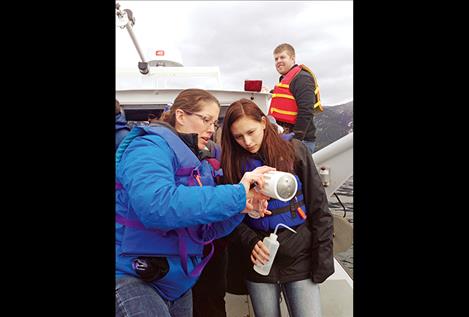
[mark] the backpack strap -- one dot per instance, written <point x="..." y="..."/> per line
<point x="215" y="160"/>
<point x="137" y="224"/>
<point x="183" y="252"/>
<point x="216" y="151"/>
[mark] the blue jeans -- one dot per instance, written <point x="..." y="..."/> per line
<point x="302" y="298"/>
<point x="311" y="145"/>
<point x="136" y="297"/>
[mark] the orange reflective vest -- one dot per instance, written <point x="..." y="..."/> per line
<point x="283" y="106"/>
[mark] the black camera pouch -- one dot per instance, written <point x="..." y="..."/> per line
<point x="150" y="268"/>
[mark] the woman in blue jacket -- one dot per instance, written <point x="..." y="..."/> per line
<point x="168" y="207"/>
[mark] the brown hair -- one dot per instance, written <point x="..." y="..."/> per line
<point x="275" y="151"/>
<point x="285" y="47"/>
<point x="188" y="100"/>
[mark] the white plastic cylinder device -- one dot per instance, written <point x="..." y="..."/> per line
<point x="272" y="244"/>
<point x="279" y="185"/>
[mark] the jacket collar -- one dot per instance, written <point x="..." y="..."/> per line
<point x="191" y="140"/>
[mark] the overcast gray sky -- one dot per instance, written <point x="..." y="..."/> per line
<point x="240" y="36"/>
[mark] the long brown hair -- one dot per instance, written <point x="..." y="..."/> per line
<point x="188" y="100"/>
<point x="275" y="151"/>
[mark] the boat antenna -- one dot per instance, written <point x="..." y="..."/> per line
<point x="126" y="20"/>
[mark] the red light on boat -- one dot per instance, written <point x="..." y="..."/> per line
<point x="159" y="53"/>
<point x="252" y="85"/>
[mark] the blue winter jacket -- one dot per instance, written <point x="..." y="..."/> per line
<point x="146" y="173"/>
<point x="121" y="128"/>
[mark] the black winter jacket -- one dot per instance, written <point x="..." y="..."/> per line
<point x="306" y="254"/>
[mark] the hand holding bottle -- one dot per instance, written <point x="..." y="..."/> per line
<point x="254" y="199"/>
<point x="260" y="254"/>
<point x="271" y="244"/>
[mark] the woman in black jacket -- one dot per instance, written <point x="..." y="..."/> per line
<point x="304" y="259"/>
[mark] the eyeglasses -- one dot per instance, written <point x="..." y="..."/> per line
<point x="206" y="120"/>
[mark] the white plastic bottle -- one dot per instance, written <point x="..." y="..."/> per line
<point x="272" y="244"/>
